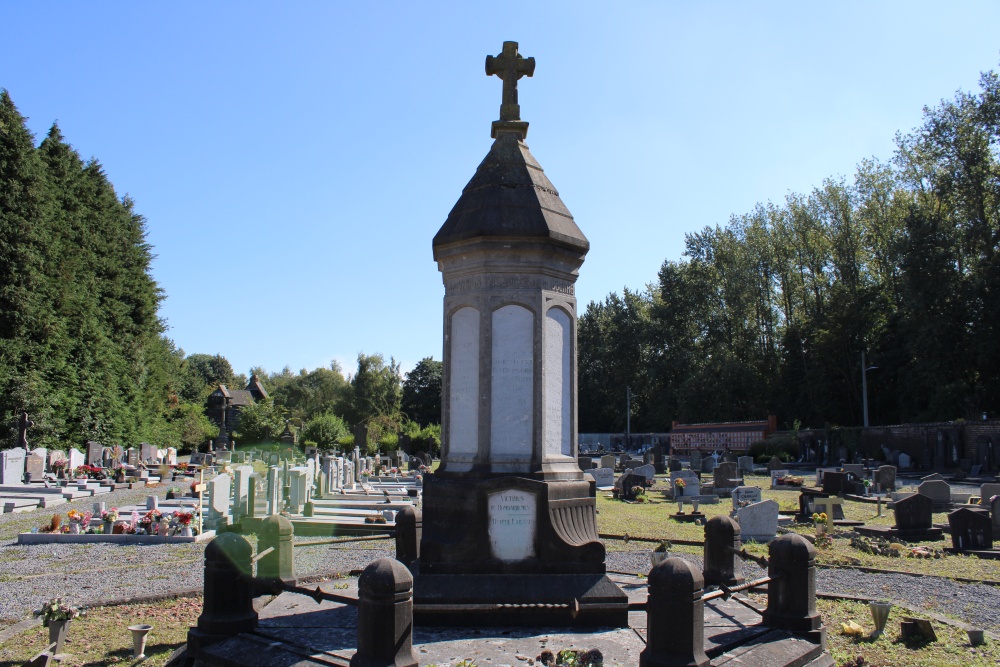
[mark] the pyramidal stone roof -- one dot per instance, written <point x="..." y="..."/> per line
<point x="510" y="197"/>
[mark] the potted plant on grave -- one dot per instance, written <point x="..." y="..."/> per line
<point x="60" y="466"/>
<point x="868" y="486"/>
<point x="109" y="517"/>
<point x="639" y="493"/>
<point x="184" y="521"/>
<point x="660" y="553"/>
<point x="56" y="616"/>
<point x="173" y="492"/>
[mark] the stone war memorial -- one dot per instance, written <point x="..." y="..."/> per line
<point x="509" y="254"/>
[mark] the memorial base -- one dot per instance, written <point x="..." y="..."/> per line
<point x="513" y="550"/>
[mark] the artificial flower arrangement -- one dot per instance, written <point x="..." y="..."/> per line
<point x="639" y="492"/>
<point x="184" y="518"/>
<point x="110" y="515"/>
<point x="60" y="464"/>
<point x="57" y="610"/>
<point x="93" y="472"/>
<point x="680" y="483"/>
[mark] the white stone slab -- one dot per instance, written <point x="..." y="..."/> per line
<point x="512" y="526"/>
<point x="759" y="521"/>
<point x="512" y="391"/>
<point x="604" y="477"/>
<point x="556" y="378"/>
<point x="463" y="391"/>
<point x="647" y="471"/>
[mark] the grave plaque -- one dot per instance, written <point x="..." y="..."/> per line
<point x="95" y="453"/>
<point x="35" y="466"/>
<point x="744" y="495"/>
<point x="512" y="525"/>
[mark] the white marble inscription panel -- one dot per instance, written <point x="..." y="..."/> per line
<point x="512" y="389"/>
<point x="512" y="525"/>
<point x="463" y="391"/>
<point x="556" y="371"/>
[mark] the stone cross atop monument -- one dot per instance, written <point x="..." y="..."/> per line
<point x="23" y="424"/>
<point x="510" y="66"/>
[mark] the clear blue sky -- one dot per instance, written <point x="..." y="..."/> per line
<point x="294" y="160"/>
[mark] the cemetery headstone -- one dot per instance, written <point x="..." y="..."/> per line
<point x="585" y="462"/>
<point x="76" y="459"/>
<point x="257" y="497"/>
<point x="856" y="468"/>
<point x="971" y="529"/>
<point x="775" y="464"/>
<point x="132" y="456"/>
<point x="833" y="482"/>
<point x="95" y="453"/>
<point x="12" y="465"/>
<point x="745" y="464"/>
<point x="913" y="513"/>
<point x="708" y="464"/>
<point x="904" y="460"/>
<point x="696" y="461"/>
<point x="759" y="521"/>
<point x="994" y="504"/>
<point x="725" y="476"/>
<point x="692" y="483"/>
<point x="35" y="466"/>
<point x="275" y="490"/>
<point x="171" y="456"/>
<point x="746" y="495"/>
<point x="297" y="491"/>
<point x="218" y="490"/>
<point x="647" y="470"/>
<point x="937" y="490"/>
<point x="885" y="478"/>
<point x="673" y="464"/>
<point x="987" y="491"/>
<point x="241" y="491"/>
<point x="775" y="476"/>
<point x="147" y="453"/>
<point x="933" y="476"/>
<point x="603" y="477"/>
<point x="608" y="461"/>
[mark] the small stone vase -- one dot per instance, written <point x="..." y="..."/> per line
<point x="57" y="634"/>
<point x="108" y="527"/>
<point x="186" y="531"/>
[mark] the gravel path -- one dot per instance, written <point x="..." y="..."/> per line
<point x="86" y="573"/>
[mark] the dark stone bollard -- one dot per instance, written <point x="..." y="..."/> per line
<point x="791" y="597"/>
<point x="409" y="526"/>
<point x="276" y="531"/>
<point x="675" y="617"/>
<point x="385" y="616"/>
<point x="722" y="535"/>
<point x="228" y="607"/>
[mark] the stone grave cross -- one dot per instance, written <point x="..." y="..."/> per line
<point x="829" y="504"/>
<point x="23" y="423"/>
<point x="200" y="489"/>
<point x="510" y="66"/>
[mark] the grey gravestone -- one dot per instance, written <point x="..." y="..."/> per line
<point x="132" y="456"/>
<point x="12" y="462"/>
<point x="608" y="461"/>
<point x="54" y="456"/>
<point x="692" y="483"/>
<point x="76" y="459"/>
<point x="241" y="491"/>
<point x="673" y="464"/>
<point x="95" y="453"/>
<point x="275" y="490"/>
<point x="297" y="491"/>
<point x="834" y="482"/>
<point x="904" y="460"/>
<point x="585" y="462"/>
<point x="708" y="464"/>
<point x="725" y="476"/>
<point x="857" y="468"/>
<point x="647" y="470"/>
<point x="759" y="521"/>
<point x="774" y="464"/>
<point x="218" y="491"/>
<point x="938" y="491"/>
<point x="885" y="478"/>
<point x="695" y="460"/>
<point x="933" y="476"/>
<point x="745" y="463"/>
<point x="746" y="494"/>
<point x="971" y="529"/>
<point x="257" y="497"/>
<point x="987" y="491"/>
<point x="913" y="513"/>
<point x="34" y="465"/>
<point x="604" y="477"/>
<point x="994" y="502"/>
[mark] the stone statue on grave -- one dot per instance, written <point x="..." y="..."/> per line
<point x="23" y="424"/>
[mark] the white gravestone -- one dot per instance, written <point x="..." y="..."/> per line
<point x="758" y="522"/>
<point x="274" y="490"/>
<point x="218" y="492"/>
<point x="604" y="477"/>
<point x="171" y="456"/>
<point x="556" y="376"/>
<point x="512" y="391"/>
<point x="745" y="463"/>
<point x="647" y="471"/>
<point x="76" y="459"/>
<point x="12" y="466"/>
<point x="241" y="490"/>
<point x="745" y="495"/>
<point x="692" y="483"/>
<point x="297" y="491"/>
<point x="512" y="525"/>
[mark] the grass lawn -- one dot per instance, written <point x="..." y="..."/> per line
<point x="101" y="637"/>
<point x="651" y="519"/>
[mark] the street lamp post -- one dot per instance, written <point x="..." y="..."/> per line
<point x="864" y="386"/>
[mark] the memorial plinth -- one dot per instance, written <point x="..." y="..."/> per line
<point x="508" y="518"/>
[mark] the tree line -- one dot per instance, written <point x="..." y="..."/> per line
<point x="83" y="350"/>
<point x="770" y="313"/>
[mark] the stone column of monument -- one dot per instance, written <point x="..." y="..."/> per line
<point x="508" y="516"/>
